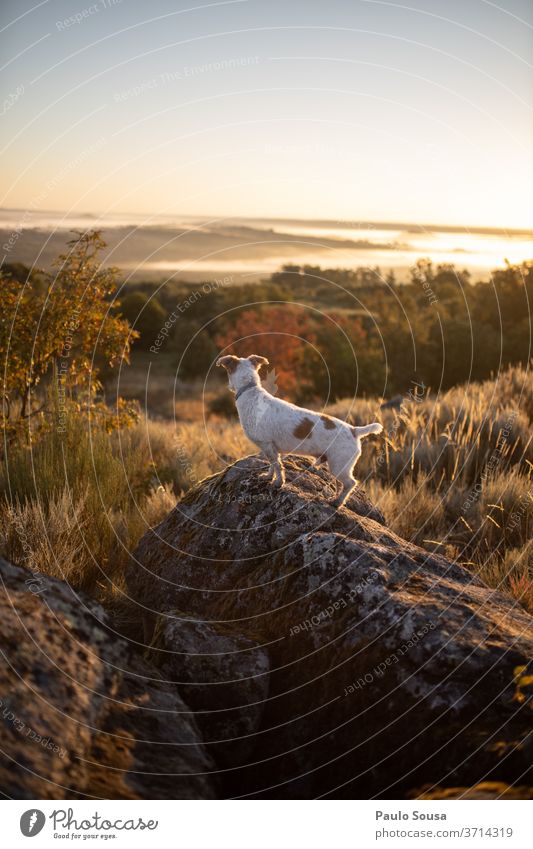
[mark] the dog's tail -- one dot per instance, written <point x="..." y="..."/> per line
<point x="375" y="427"/>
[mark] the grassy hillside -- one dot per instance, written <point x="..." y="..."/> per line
<point x="82" y="477"/>
<point x="451" y="473"/>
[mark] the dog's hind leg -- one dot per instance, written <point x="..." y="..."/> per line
<point x="345" y="478"/>
<point x="347" y="482"/>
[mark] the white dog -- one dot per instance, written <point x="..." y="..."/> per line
<point x="278" y="427"/>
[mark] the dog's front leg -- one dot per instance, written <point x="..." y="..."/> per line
<point x="265" y="453"/>
<point x="279" y="472"/>
<point x="276" y="471"/>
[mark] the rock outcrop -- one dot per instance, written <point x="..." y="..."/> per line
<point x="290" y="651"/>
<point x="328" y="657"/>
<point x="81" y="716"/>
<point x="223" y="677"/>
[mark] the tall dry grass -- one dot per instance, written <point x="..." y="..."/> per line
<point x="453" y="473"/>
<point x="74" y="504"/>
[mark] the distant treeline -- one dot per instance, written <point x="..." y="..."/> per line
<point x="334" y="333"/>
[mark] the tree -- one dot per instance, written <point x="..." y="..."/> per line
<point x="145" y="314"/>
<point x="282" y="334"/>
<point x="346" y="361"/>
<point x="196" y="351"/>
<point x="60" y="323"/>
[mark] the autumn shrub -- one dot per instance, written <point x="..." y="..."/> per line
<point x="56" y="329"/>
<point x="281" y="333"/>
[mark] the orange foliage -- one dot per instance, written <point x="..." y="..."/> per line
<point x="284" y="334"/>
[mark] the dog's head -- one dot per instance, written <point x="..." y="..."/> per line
<point x="242" y="370"/>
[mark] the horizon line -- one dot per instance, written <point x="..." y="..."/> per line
<point x="354" y="224"/>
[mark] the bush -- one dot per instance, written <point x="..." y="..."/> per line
<point x="196" y="352"/>
<point x="223" y="404"/>
<point x="58" y="327"/>
<point x="145" y="315"/>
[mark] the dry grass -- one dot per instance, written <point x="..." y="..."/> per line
<point x="454" y="475"/>
<point x="76" y="503"/>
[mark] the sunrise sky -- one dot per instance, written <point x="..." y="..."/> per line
<point x="344" y="110"/>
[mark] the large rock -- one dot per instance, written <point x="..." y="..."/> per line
<point x="390" y="668"/>
<point x="80" y="715"/>
<point x="222" y="676"/>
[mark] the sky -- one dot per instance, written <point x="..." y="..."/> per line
<point x="346" y="110"/>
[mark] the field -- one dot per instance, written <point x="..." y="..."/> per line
<point x="452" y="474"/>
<point x="113" y="417"/>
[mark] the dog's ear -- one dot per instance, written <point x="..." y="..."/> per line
<point x="230" y="362"/>
<point x="258" y="361"/>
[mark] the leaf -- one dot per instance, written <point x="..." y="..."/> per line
<point x="270" y="383"/>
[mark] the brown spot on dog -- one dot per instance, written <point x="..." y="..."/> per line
<point x="329" y="424"/>
<point x="303" y="429"/>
